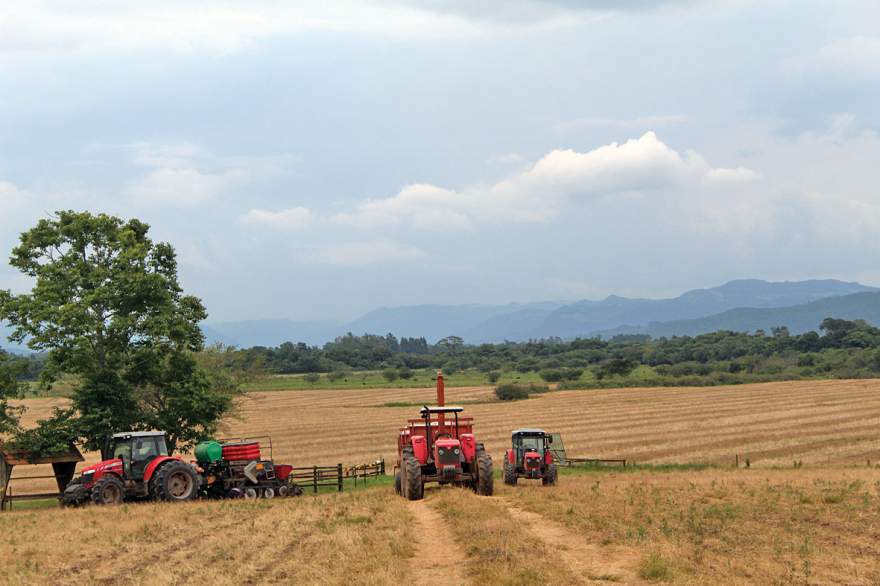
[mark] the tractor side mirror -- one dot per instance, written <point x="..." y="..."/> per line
<point x="549" y="439"/>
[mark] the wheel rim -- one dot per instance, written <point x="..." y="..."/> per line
<point x="268" y="493"/>
<point x="110" y="493"/>
<point x="179" y="485"/>
<point x="250" y="493"/>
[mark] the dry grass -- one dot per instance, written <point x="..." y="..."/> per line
<point x="334" y="539"/>
<point x="819" y="524"/>
<point x="724" y="526"/>
<point x="772" y="424"/>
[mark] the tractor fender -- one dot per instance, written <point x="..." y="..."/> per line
<point x="548" y="457"/>
<point x="511" y="456"/>
<point x="91" y="474"/>
<point x="420" y="448"/>
<point x="154" y="465"/>
<point x="468" y="446"/>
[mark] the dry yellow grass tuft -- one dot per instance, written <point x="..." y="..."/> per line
<point x="333" y="539"/>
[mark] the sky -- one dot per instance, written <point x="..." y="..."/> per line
<point x="315" y="160"/>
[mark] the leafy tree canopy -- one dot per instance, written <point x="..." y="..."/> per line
<point x="108" y="308"/>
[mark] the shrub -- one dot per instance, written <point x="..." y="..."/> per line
<point x="404" y="373"/>
<point x="335" y="375"/>
<point x="390" y="374"/>
<point x="512" y="392"/>
<point x="552" y="375"/>
<point x="572" y="374"/>
<point x="311" y="377"/>
<point x="656" y="568"/>
<point x="515" y="392"/>
<point x="493" y="376"/>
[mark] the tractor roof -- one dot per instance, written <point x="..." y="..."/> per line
<point x="449" y="409"/>
<point x="126" y="434"/>
<point x="528" y="431"/>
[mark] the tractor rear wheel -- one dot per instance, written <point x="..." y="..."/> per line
<point x="485" y="484"/>
<point x="108" y="490"/>
<point x="509" y="474"/>
<point x="551" y="476"/>
<point x="414" y="487"/>
<point x="175" y="481"/>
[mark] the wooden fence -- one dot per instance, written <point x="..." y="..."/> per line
<point x="335" y="476"/>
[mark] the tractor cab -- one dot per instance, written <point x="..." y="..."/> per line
<point x="529" y="456"/>
<point x="136" y="449"/>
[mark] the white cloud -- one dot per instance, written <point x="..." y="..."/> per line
<point x="857" y="57"/>
<point x="289" y="219"/>
<point x="11" y="197"/>
<point x="355" y="254"/>
<point x="223" y="26"/>
<point x="185" y="175"/>
<point x="736" y="176"/>
<point x="641" y="123"/>
<point x="639" y="165"/>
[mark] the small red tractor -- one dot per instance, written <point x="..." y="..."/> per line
<point x="139" y="468"/>
<point x="530" y="457"/>
<point x="440" y="447"/>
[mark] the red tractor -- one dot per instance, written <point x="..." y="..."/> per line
<point x="440" y="447"/>
<point x="530" y="457"/>
<point x="139" y="467"/>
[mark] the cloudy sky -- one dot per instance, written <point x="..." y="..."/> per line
<point x="314" y="160"/>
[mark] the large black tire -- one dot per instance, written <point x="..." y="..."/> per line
<point x="397" y="486"/>
<point x="414" y="488"/>
<point x="75" y="494"/>
<point x="551" y="476"/>
<point x="175" y="481"/>
<point x="485" y="483"/>
<point x="108" y="490"/>
<point x="509" y="474"/>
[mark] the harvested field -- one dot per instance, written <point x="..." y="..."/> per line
<point x="772" y="424"/>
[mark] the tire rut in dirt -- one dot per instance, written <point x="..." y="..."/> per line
<point x="582" y="558"/>
<point x="438" y="558"/>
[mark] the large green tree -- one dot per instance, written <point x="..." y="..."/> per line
<point x="108" y="308"/>
<point x="11" y="387"/>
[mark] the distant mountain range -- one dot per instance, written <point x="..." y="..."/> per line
<point x="743" y="305"/>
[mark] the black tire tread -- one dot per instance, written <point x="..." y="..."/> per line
<point x="99" y="485"/>
<point x="158" y="484"/>
<point x="485" y="482"/>
<point x="509" y="474"/>
<point x="414" y="488"/>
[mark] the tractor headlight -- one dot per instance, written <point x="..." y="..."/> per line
<point x="440" y="451"/>
<point x="456" y="451"/>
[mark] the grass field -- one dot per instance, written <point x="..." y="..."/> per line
<point x="770" y="524"/>
<point x="374" y="379"/>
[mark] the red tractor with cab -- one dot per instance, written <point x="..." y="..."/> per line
<point x="530" y="457"/>
<point x="139" y="467"/>
<point x="440" y="447"/>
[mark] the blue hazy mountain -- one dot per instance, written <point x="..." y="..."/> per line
<point x="517" y="322"/>
<point x="798" y="318"/>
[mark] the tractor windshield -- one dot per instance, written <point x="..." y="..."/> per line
<point x="533" y="443"/>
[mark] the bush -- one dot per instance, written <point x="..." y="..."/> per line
<point x="552" y="375"/>
<point x="335" y="375"/>
<point x="494" y="376"/>
<point x="515" y="392"/>
<point x="512" y="392"/>
<point x="656" y="568"/>
<point x="390" y="374"/>
<point x="311" y="377"/>
<point x="572" y="374"/>
<point x="404" y="373"/>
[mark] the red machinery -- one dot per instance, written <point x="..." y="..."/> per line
<point x="139" y="467"/>
<point x="440" y="447"/>
<point x="530" y="457"/>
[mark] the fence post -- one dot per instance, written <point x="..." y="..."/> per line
<point x="339" y="475"/>
<point x="382" y="467"/>
<point x="315" y="478"/>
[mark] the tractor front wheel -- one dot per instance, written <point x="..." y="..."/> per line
<point x="485" y="483"/>
<point x="108" y="490"/>
<point x="414" y="487"/>
<point x="175" y="481"/>
<point x="509" y="474"/>
<point x="397" y="486"/>
<point x="551" y="476"/>
<point x="75" y="494"/>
